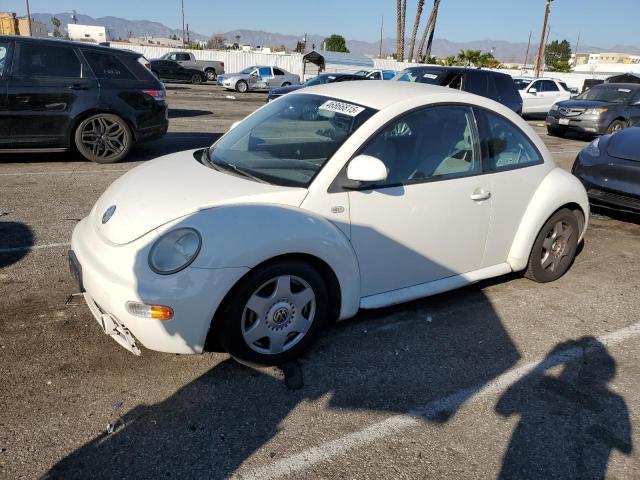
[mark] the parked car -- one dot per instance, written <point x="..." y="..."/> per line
<point x="486" y="83"/>
<point x="605" y="108"/>
<point x="168" y="70"/>
<point x="210" y="68"/>
<point x="609" y="168"/>
<point x="377" y="74"/>
<point x="58" y="95"/>
<point x="258" y="78"/>
<point x="334" y="198"/>
<point x="317" y="80"/>
<point x="538" y="95"/>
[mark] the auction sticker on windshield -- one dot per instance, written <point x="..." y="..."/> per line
<point x="341" y="107"/>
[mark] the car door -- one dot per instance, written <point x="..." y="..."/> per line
<point x="550" y="93"/>
<point x="50" y="84"/>
<point x="5" y="121"/>
<point x="279" y="77"/>
<point x="260" y="79"/>
<point x="430" y="218"/>
<point x="533" y="99"/>
<point x="513" y="169"/>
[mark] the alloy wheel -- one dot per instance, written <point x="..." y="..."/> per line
<point x="104" y="138"/>
<point x="555" y="246"/>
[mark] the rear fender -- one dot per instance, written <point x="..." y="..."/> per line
<point x="558" y="189"/>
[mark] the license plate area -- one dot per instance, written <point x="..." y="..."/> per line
<point x="76" y="271"/>
<point x="563" y="121"/>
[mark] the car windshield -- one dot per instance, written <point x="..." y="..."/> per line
<point x="521" y="83"/>
<point x="287" y="142"/>
<point x="248" y="70"/>
<point x="319" y="80"/>
<point x="607" y="94"/>
<point x="422" y="75"/>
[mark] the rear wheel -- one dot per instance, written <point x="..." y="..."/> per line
<point x="103" y="138"/>
<point x="242" y="86"/>
<point x="616" y="126"/>
<point x="286" y="84"/>
<point x="196" y="79"/>
<point x="211" y="74"/>
<point x="275" y="313"/>
<point x="555" y="247"/>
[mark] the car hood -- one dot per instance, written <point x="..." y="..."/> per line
<point x="625" y="144"/>
<point x="575" y="103"/>
<point x="173" y="186"/>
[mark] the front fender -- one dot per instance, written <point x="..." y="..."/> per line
<point x="557" y="189"/>
<point x="250" y="234"/>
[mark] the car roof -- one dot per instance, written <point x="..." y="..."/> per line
<point x="454" y="69"/>
<point x="61" y="41"/>
<point x="378" y="95"/>
<point x="630" y="86"/>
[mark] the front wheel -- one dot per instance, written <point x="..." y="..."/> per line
<point x="211" y="75"/>
<point x="555" y="247"/>
<point x="616" y="126"/>
<point x="242" y="86"/>
<point x="275" y="313"/>
<point x="196" y="79"/>
<point x="103" y="138"/>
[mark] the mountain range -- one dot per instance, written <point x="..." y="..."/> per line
<point x="123" y="28"/>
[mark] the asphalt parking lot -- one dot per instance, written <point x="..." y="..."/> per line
<point x="492" y="380"/>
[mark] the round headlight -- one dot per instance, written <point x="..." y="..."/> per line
<point x="175" y="251"/>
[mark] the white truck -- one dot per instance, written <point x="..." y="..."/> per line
<point x="211" y="68"/>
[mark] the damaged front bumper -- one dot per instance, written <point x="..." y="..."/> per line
<point x="112" y="326"/>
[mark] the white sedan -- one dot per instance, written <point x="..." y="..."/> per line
<point x="538" y="95"/>
<point x="332" y="199"/>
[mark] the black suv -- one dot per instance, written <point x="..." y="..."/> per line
<point x="56" y="95"/>
<point x="486" y="83"/>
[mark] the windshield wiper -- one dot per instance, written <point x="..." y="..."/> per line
<point x="241" y="171"/>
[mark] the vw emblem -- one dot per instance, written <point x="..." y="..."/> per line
<point x="280" y="316"/>
<point x="108" y="214"/>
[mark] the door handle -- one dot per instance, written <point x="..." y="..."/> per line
<point x="77" y="86"/>
<point x="480" y="195"/>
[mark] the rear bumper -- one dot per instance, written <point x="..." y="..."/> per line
<point x="113" y="275"/>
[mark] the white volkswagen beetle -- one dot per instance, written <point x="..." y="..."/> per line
<point x="332" y="199"/>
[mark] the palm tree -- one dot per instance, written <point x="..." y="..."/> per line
<point x="429" y="29"/>
<point x="416" y="24"/>
<point x="398" y="29"/>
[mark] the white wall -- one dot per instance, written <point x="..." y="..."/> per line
<point x="234" y="60"/>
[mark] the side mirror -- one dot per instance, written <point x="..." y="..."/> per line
<point x="365" y="168"/>
<point x="532" y="90"/>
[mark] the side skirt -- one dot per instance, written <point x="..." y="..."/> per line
<point x="414" y="292"/>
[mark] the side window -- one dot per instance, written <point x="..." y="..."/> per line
<point x="388" y="75"/>
<point x="375" y="75"/>
<point x="48" y="61"/>
<point x="107" y="65"/>
<point x="506" y="87"/>
<point x="505" y="145"/>
<point x="492" y="89"/>
<point x="183" y="57"/>
<point x="277" y="71"/>
<point x="536" y="85"/>
<point x="549" y="86"/>
<point x="456" y="82"/>
<point x="476" y="84"/>
<point x="265" y="72"/>
<point x="172" y="57"/>
<point x="433" y="143"/>
<point x="4" y="53"/>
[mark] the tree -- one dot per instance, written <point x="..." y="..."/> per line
<point x="336" y="43"/>
<point x="557" y="55"/>
<point x="299" y="47"/>
<point x="216" y="42"/>
<point x="416" y="25"/>
<point x="56" y="27"/>
<point x="429" y="30"/>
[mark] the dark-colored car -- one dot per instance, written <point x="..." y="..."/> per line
<point x="57" y="95"/>
<point x="605" y="108"/>
<point x="486" y="83"/>
<point x="317" y="80"/>
<point x="168" y="70"/>
<point x="609" y="168"/>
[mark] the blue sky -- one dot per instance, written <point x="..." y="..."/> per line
<point x="459" y="20"/>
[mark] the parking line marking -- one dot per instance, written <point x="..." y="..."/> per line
<point x="397" y="423"/>
<point x="33" y="247"/>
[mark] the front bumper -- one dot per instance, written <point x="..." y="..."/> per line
<point x="112" y="275"/>
<point x="601" y="194"/>
<point x="585" y="124"/>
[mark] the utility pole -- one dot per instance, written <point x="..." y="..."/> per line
<point x="576" y="52"/>
<point x="188" y="37"/>
<point x="183" y="32"/>
<point x="28" y="18"/>
<point x="381" y="26"/>
<point x="544" y="50"/>
<point x="526" y="56"/>
<point x="543" y="35"/>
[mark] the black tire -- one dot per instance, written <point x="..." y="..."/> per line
<point x="553" y="252"/>
<point x="233" y="319"/>
<point x="555" y="132"/>
<point x="103" y="138"/>
<point x="242" y="86"/>
<point x="616" y="126"/>
<point x="211" y="75"/>
<point x="196" y="79"/>
<point x="286" y="84"/>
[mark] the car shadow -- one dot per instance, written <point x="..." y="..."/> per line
<point x="620" y="215"/>
<point x="172" y="142"/>
<point x="187" y="113"/>
<point x="569" y="422"/>
<point x="16" y="240"/>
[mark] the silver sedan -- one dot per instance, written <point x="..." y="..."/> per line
<point x="258" y="78"/>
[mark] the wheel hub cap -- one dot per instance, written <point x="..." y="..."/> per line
<point x="280" y="315"/>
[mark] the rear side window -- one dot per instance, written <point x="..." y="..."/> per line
<point x="548" y="86"/>
<point x="39" y="60"/>
<point x="182" y="57"/>
<point x="505" y="146"/>
<point x="4" y="53"/>
<point x="107" y="65"/>
<point x="277" y="71"/>
<point x="265" y="72"/>
<point x="492" y="88"/>
<point x="476" y="84"/>
<point x="506" y="87"/>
